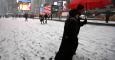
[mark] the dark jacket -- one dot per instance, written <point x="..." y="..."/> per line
<point x="69" y="42"/>
<point x="72" y="27"/>
<point x="25" y="15"/>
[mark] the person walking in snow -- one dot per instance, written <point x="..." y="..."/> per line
<point x="45" y="17"/>
<point x="41" y="17"/>
<point x="107" y="16"/>
<point x="26" y="16"/>
<point x="69" y="42"/>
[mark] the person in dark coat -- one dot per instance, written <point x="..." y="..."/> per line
<point x="69" y="42"/>
<point x="26" y="16"/>
<point x="107" y="16"/>
<point x="41" y="17"/>
<point x="45" y="16"/>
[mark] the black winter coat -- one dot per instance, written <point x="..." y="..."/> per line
<point x="69" y="42"/>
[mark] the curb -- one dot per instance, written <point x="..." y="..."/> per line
<point x="91" y="22"/>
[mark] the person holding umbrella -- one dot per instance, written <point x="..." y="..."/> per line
<point x="72" y="26"/>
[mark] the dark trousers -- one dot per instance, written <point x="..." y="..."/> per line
<point x="26" y="18"/>
<point x="45" y="20"/>
<point x="107" y="18"/>
<point x="42" y="21"/>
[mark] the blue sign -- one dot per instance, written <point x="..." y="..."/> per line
<point x="24" y="0"/>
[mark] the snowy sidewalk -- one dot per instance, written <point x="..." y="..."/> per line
<point x="95" y="21"/>
<point x="20" y="40"/>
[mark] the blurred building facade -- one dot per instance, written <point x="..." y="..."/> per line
<point x="36" y="5"/>
<point x="7" y="6"/>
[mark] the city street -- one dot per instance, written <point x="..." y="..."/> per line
<point x="20" y="40"/>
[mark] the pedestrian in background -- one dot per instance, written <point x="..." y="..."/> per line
<point x="69" y="42"/>
<point x="45" y="16"/>
<point x="26" y="16"/>
<point x="107" y="16"/>
<point x="41" y="17"/>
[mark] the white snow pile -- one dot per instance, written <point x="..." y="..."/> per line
<point x="20" y="40"/>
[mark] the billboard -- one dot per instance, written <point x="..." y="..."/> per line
<point x="24" y="0"/>
<point x="24" y="6"/>
<point x="47" y="9"/>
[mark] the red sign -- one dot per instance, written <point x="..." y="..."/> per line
<point x="47" y="9"/>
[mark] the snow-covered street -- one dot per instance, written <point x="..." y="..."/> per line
<point x="20" y="40"/>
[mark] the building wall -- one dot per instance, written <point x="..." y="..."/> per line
<point x="3" y="7"/>
<point x="35" y="6"/>
<point x="7" y="6"/>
